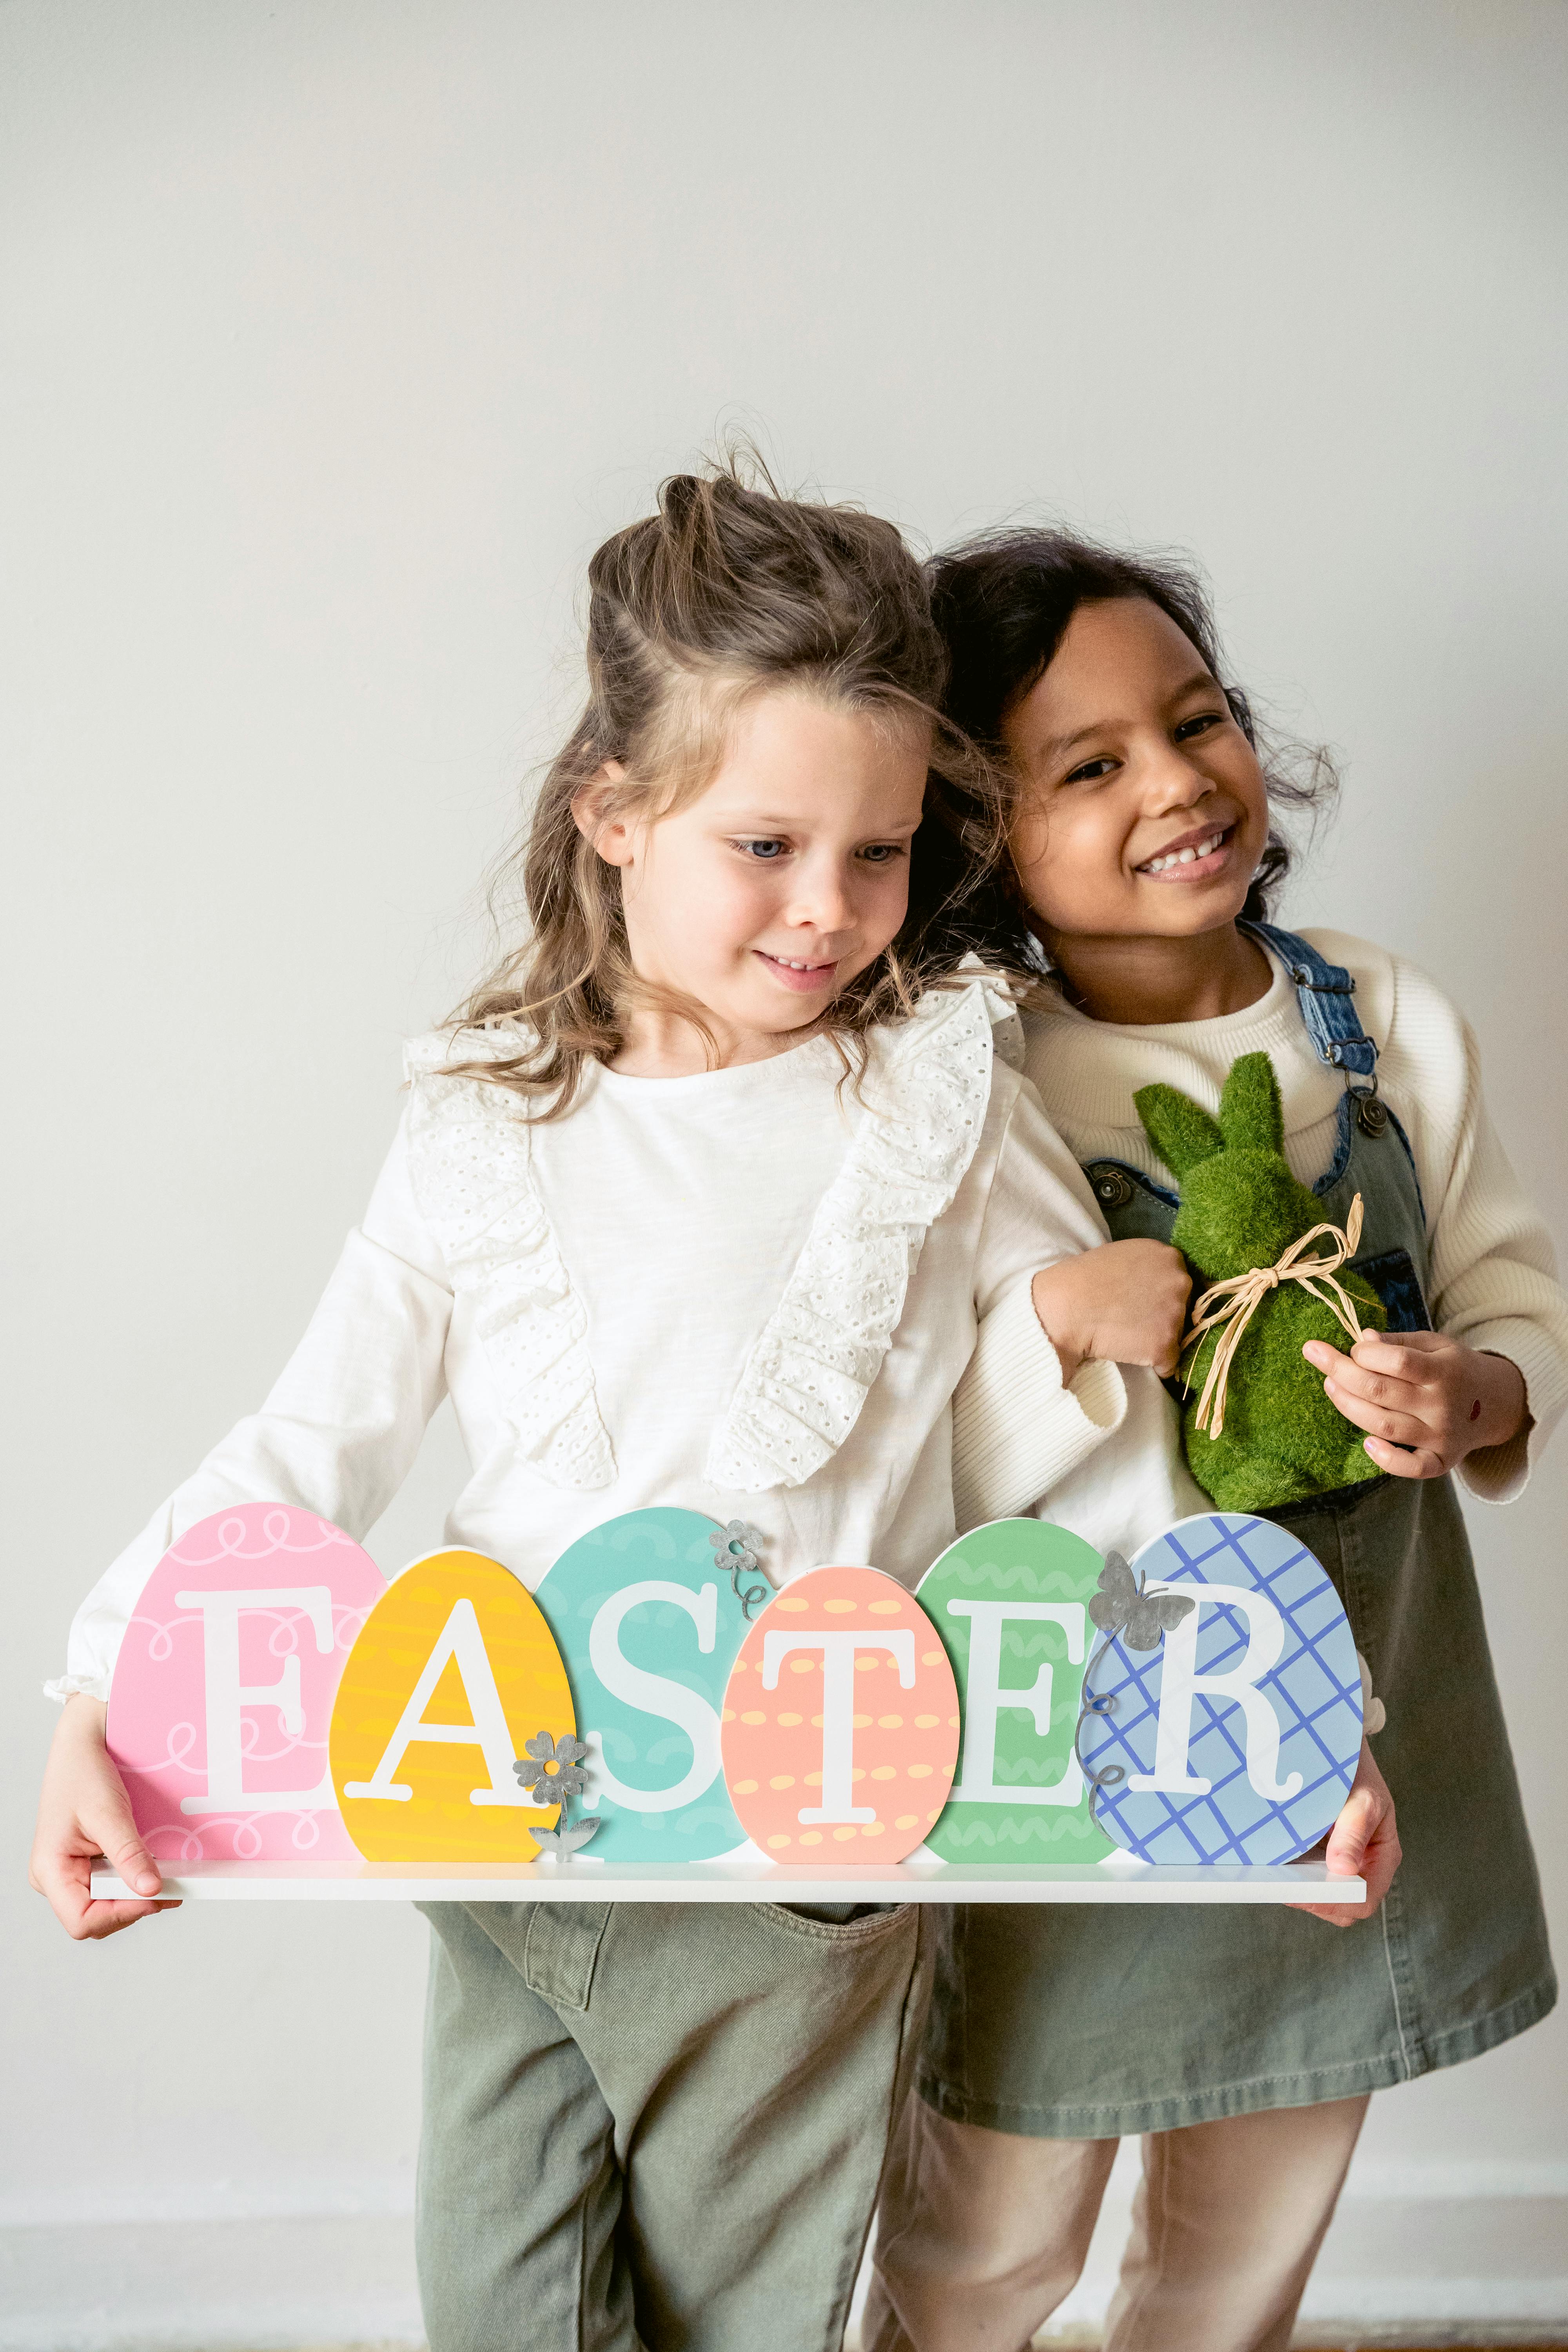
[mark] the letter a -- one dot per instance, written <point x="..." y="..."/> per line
<point x="460" y="1639"/>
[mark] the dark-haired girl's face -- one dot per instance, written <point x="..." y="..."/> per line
<point x="1143" y="808"/>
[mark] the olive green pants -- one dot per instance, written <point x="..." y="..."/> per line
<point x="657" y="2126"/>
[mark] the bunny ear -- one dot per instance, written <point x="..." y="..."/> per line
<point x="1181" y="1132"/>
<point x="1249" y="1111"/>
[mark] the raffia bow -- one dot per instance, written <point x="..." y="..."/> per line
<point x="1229" y="1306"/>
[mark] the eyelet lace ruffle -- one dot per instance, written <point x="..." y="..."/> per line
<point x="470" y="1158"/>
<point x="809" y="1373"/>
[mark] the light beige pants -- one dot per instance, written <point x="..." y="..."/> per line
<point x="981" y="2233"/>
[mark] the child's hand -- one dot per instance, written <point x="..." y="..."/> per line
<point x="1363" y="1844"/>
<point x="1419" y="1390"/>
<point x="1124" y="1303"/>
<point x="84" y="1814"/>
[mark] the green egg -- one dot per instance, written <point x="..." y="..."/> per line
<point x="1010" y="1602"/>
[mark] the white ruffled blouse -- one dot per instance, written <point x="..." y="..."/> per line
<point x="750" y="1292"/>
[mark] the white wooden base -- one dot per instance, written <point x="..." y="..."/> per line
<point x="740" y="1879"/>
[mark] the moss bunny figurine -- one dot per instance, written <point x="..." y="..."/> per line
<point x="1262" y="1432"/>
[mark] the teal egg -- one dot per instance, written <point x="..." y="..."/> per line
<point x="647" y="1620"/>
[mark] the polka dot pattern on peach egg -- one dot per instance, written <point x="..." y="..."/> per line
<point x="840" y="1723"/>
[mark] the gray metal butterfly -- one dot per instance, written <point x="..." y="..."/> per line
<point x="1123" y="1606"/>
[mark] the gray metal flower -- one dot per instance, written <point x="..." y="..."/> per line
<point x="548" y="1767"/>
<point x="738" y="1546"/>
<point x="560" y="1844"/>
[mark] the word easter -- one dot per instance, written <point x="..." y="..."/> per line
<point x="656" y="1697"/>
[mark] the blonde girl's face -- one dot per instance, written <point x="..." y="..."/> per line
<point x="1144" y="810"/>
<point x="763" y="898"/>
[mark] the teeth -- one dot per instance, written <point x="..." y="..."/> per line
<point x="1183" y="857"/>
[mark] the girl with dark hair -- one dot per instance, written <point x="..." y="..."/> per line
<point x="702" y="1202"/>
<point x="1241" y="2044"/>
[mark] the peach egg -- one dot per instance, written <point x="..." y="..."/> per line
<point x="805" y="1766"/>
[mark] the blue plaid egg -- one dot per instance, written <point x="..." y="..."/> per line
<point x="1311" y="1689"/>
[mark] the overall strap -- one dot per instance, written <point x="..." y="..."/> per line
<point x="1326" y="993"/>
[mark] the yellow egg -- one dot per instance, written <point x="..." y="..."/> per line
<point x="455" y="1670"/>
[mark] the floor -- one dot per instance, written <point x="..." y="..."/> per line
<point x="1327" y="2339"/>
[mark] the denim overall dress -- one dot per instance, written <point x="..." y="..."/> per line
<point x="1071" y="2023"/>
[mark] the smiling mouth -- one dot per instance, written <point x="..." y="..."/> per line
<point x="796" y="973"/>
<point x="1195" y="856"/>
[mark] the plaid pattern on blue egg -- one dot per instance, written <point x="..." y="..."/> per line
<point x="1313" y="1688"/>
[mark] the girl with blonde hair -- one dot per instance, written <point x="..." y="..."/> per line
<point x="702" y="1203"/>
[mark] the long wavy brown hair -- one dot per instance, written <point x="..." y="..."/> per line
<point x="728" y="590"/>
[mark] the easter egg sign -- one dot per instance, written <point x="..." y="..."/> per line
<point x="840" y="1729"/>
<point x="1034" y="1705"/>
<point x="223" y="1691"/>
<point x="1228" y="1730"/>
<point x="647" y="1613"/>
<point x="452" y="1676"/>
<point x="1010" y="1602"/>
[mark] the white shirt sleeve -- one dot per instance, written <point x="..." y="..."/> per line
<point x="338" y="1431"/>
<point x="1493" y="1272"/>
<point x="1016" y="1430"/>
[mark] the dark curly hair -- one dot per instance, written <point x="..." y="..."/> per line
<point x="1003" y="602"/>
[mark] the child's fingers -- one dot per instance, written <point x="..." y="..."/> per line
<point x="1345" y="1848"/>
<point x="1340" y="1915"/>
<point x="1365" y="1837"/>
<point x="1399" y="1360"/>
<point x="1363" y="1844"/>
<point x="1348" y="1377"/>
<point x="1374" y="1359"/>
<point x="1393" y="1428"/>
<point x="103" y="1919"/>
<point x="1168" y="1357"/>
<point x="129" y="1857"/>
<point x="1408" y="1431"/>
<point x="1344" y="1914"/>
<point x="1324" y="1359"/>
<point x="1407" y="1343"/>
<point x="1407" y="1461"/>
<point x="1171" y="1296"/>
<point x="108" y="1821"/>
<point x="65" y="1880"/>
<point x="84" y="1813"/>
<point x="1381" y="1861"/>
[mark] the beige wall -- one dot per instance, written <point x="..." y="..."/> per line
<point x="341" y="331"/>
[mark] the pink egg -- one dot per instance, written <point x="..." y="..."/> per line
<point x="222" y="1698"/>
<point x="840" y="1723"/>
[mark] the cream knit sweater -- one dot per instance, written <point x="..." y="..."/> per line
<point x="1493" y="1272"/>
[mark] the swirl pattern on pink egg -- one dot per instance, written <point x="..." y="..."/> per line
<point x="840" y="1723"/>
<point x="222" y="1697"/>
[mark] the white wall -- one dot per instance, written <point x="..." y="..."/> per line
<point x="339" y="332"/>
